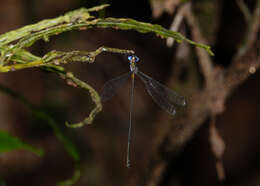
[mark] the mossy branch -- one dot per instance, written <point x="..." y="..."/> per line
<point x="14" y="56"/>
<point x="27" y="60"/>
<point x="50" y="62"/>
<point x="77" y="16"/>
<point x="78" y="20"/>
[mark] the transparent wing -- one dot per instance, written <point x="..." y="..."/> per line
<point x="163" y="96"/>
<point x="112" y="85"/>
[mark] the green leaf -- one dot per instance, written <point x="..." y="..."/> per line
<point x="142" y="27"/>
<point x="80" y="15"/>
<point x="40" y="114"/>
<point x="69" y="146"/>
<point x="8" y="143"/>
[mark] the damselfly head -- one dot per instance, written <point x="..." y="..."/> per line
<point x="133" y="58"/>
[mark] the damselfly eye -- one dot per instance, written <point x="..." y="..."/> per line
<point x="129" y="58"/>
<point x="136" y="58"/>
<point x="133" y="57"/>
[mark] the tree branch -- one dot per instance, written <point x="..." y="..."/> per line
<point x="206" y="102"/>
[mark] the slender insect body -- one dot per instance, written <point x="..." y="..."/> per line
<point x="132" y="67"/>
<point x="163" y="96"/>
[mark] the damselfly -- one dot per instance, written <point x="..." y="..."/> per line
<point x="163" y="96"/>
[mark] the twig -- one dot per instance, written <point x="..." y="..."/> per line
<point x="203" y="103"/>
<point x="246" y="61"/>
<point x="94" y="96"/>
<point x="177" y="22"/>
<point x="204" y="60"/>
<point x="252" y="28"/>
<point x="244" y="9"/>
<point x="58" y="57"/>
<point x="217" y="147"/>
<point x="54" y="58"/>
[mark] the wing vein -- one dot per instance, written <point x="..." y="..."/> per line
<point x="162" y="95"/>
<point x="111" y="86"/>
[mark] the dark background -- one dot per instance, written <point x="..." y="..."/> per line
<point x="103" y="144"/>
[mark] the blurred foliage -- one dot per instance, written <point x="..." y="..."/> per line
<point x="2" y="183"/>
<point x="9" y="143"/>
